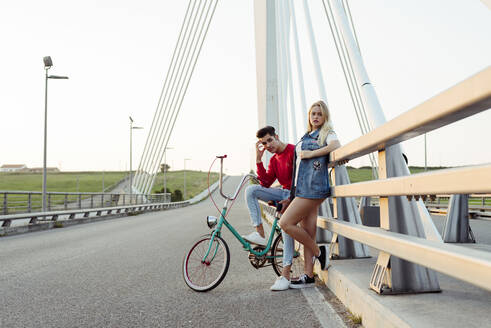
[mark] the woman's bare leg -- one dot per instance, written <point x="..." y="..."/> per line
<point x="309" y="224"/>
<point x="299" y="209"/>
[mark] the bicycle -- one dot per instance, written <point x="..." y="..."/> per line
<point x="206" y="264"/>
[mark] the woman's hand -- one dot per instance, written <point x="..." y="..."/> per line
<point x="305" y="154"/>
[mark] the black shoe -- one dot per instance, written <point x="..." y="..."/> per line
<point x="303" y="282"/>
<point x="323" y="260"/>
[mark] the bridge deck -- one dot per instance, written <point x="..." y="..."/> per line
<point x="126" y="272"/>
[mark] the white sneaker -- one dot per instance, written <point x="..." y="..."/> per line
<point x="255" y="238"/>
<point x="281" y="284"/>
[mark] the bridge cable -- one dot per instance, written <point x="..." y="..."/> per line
<point x="164" y="105"/>
<point x="190" y="70"/>
<point x="151" y="155"/>
<point x="170" y="99"/>
<point x="157" y="116"/>
<point x="184" y="86"/>
<point x="176" y="98"/>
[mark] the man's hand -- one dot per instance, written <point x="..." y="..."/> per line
<point x="305" y="154"/>
<point x="259" y="151"/>
<point x="285" y="203"/>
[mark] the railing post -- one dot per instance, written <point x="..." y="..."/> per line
<point x="381" y="276"/>
<point x="79" y="201"/>
<point x="91" y="201"/>
<point x="49" y="202"/>
<point x="102" y="200"/>
<point x="66" y="201"/>
<point x="29" y="203"/>
<point x="334" y="245"/>
<point x="5" y="209"/>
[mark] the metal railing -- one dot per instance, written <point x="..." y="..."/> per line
<point x="473" y="266"/>
<point x="86" y="213"/>
<point x="12" y="202"/>
<point x="479" y="205"/>
<point x="153" y="202"/>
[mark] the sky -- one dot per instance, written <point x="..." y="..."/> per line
<point x="116" y="54"/>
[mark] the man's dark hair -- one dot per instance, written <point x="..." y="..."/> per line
<point x="266" y="130"/>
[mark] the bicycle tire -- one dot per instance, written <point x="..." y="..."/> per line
<point x="202" y="277"/>
<point x="277" y="253"/>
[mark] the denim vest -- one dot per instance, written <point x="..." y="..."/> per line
<point x="312" y="175"/>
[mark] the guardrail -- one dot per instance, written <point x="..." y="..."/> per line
<point x="85" y="213"/>
<point x="149" y="203"/>
<point x="473" y="266"/>
<point x="12" y="202"/>
<point x="479" y="205"/>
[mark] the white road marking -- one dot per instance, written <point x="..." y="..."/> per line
<point x="327" y="316"/>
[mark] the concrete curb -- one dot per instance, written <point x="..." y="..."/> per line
<point x="359" y="301"/>
<point x="12" y="231"/>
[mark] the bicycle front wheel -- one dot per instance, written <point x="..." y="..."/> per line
<point x="203" y="276"/>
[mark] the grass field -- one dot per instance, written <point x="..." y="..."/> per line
<point x="62" y="181"/>
<point x="365" y="173"/>
<point x="196" y="181"/>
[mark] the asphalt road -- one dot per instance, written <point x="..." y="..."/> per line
<point x="126" y="272"/>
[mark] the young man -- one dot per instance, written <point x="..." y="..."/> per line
<point x="280" y="168"/>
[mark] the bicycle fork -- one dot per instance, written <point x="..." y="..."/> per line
<point x="215" y="233"/>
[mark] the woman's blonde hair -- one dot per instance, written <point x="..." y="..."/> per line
<point x="326" y="127"/>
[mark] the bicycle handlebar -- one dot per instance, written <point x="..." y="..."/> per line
<point x="220" y="181"/>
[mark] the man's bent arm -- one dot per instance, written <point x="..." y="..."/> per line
<point x="266" y="178"/>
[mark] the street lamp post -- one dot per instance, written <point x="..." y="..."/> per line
<point x="131" y="156"/>
<point x="165" y="169"/>
<point x="184" y="194"/>
<point x="48" y="63"/>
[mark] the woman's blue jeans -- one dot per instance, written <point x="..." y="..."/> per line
<point x="255" y="192"/>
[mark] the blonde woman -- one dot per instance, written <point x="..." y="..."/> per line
<point x="311" y="188"/>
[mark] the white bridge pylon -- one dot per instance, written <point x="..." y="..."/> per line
<point x="279" y="90"/>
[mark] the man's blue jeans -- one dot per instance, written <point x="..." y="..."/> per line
<point x="255" y="192"/>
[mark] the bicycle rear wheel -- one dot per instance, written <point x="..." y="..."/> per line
<point x="296" y="268"/>
<point x="204" y="276"/>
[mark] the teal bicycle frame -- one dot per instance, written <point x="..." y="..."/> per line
<point x="222" y="221"/>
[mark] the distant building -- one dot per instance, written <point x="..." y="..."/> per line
<point x="24" y="168"/>
<point x="13" y="168"/>
<point x="40" y="170"/>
